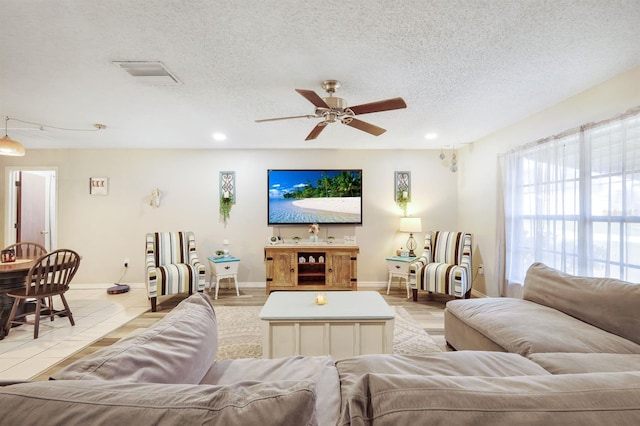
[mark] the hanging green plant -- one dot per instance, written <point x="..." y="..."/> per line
<point x="402" y="201"/>
<point x="225" y="207"/>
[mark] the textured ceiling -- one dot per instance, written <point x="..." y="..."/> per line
<point x="465" y="68"/>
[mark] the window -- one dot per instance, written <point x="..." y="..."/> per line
<point x="573" y="202"/>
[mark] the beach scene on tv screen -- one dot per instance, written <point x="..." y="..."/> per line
<point x="315" y="196"/>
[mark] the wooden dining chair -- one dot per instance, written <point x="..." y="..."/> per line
<point x="27" y="250"/>
<point x="48" y="277"/>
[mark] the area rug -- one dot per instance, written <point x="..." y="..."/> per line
<point x="240" y="334"/>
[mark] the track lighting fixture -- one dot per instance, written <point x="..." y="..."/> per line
<point x="9" y="146"/>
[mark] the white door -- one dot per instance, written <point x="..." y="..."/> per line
<point x="31" y="207"/>
<point x="31" y="210"/>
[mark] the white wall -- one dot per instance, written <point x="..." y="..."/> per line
<point x="107" y="229"/>
<point x="478" y="162"/>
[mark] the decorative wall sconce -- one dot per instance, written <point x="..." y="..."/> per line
<point x="402" y="189"/>
<point x="155" y="198"/>
<point x="227" y="183"/>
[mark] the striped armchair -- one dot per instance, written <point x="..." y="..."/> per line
<point x="172" y="265"/>
<point x="445" y="265"/>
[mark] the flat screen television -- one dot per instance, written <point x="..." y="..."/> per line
<point x="314" y="196"/>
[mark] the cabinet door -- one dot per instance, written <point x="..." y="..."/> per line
<point x="280" y="268"/>
<point x="340" y="269"/>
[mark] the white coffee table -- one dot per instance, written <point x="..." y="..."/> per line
<point x="351" y="323"/>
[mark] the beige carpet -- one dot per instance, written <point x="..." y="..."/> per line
<point x="239" y="333"/>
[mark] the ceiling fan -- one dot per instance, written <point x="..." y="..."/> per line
<point x="332" y="109"/>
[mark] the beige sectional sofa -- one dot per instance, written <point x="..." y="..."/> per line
<point x="558" y="313"/>
<point x="167" y="374"/>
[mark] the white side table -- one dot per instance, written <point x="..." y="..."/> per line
<point x="399" y="267"/>
<point x="223" y="267"/>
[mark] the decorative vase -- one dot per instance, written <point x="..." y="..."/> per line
<point x="313" y="238"/>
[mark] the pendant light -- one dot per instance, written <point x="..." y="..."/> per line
<point x="8" y="146"/>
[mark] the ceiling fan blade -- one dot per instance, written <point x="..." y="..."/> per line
<point x="378" y="106"/>
<point x="313" y="97"/>
<point x="364" y="126"/>
<point x="316" y="131"/>
<point x="286" y="118"/>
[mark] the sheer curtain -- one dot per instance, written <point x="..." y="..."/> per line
<point x="572" y="201"/>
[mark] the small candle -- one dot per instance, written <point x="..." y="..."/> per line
<point x="405" y="194"/>
<point x="321" y="299"/>
<point x="225" y="194"/>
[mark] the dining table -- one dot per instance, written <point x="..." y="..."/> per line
<point x="12" y="276"/>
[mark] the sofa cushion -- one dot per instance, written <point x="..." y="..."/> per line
<point x="320" y="370"/>
<point x="84" y="402"/>
<point x="177" y="349"/>
<point x="460" y="363"/>
<point x="606" y="303"/>
<point x="461" y="336"/>
<point x="525" y="327"/>
<point x="571" y="399"/>
<point x="572" y="363"/>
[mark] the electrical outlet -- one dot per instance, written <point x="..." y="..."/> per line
<point x="481" y="270"/>
<point x="126" y="262"/>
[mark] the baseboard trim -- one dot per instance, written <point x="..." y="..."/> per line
<point x="258" y="284"/>
<point x="476" y="293"/>
<point x="93" y="286"/>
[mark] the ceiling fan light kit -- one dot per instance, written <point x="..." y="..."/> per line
<point x="332" y="108"/>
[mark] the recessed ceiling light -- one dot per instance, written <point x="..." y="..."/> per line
<point x="219" y="136"/>
<point x="431" y="136"/>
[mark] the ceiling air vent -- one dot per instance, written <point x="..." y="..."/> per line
<point x="151" y="73"/>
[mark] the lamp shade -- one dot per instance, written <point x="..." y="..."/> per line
<point x="410" y="224"/>
<point x="10" y="147"/>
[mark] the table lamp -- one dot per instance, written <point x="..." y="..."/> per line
<point x="411" y="225"/>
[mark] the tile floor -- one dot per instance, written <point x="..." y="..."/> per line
<point x="95" y="312"/>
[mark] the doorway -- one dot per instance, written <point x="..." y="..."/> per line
<point x="31" y="207"/>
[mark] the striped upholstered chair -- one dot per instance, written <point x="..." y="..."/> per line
<point x="445" y="265"/>
<point x="172" y="265"/>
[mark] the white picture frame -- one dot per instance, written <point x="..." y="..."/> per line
<point x="98" y="186"/>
